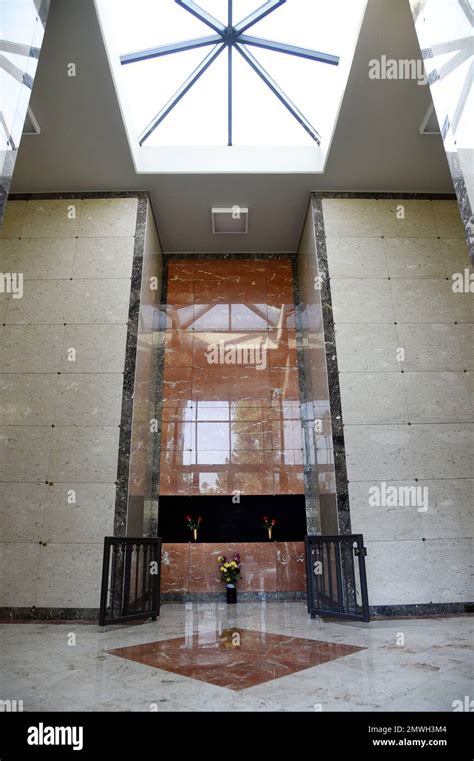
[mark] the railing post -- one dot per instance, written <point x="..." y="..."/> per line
<point x="363" y="580"/>
<point x="156" y="581"/>
<point x="309" y="574"/>
<point x="334" y="592"/>
<point x="105" y="582"/>
<point x="118" y="582"/>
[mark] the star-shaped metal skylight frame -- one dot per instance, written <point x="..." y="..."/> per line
<point x="231" y="36"/>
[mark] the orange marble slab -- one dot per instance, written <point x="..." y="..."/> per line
<point x="178" y="348"/>
<point x="266" y="566"/>
<point x="208" y="479"/>
<point x="290" y="565"/>
<point x="180" y="284"/>
<point x="211" y="383"/>
<point x="175" y="568"/>
<point x="258" y="566"/>
<point x="178" y="435"/>
<point x="244" y="407"/>
<point x="175" y="472"/>
<point x="282" y="348"/>
<point x="284" y="383"/>
<point x="177" y="383"/>
<point x="235" y="658"/>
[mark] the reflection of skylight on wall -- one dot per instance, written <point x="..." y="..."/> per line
<point x="248" y="95"/>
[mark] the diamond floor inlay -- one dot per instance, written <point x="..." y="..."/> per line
<point x="236" y="658"/>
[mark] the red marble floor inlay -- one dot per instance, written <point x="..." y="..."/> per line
<point x="236" y="658"/>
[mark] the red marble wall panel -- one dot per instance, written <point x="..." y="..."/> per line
<point x="258" y="566"/>
<point x="266" y="567"/>
<point x="290" y="566"/>
<point x="175" y="568"/>
<point x="231" y="405"/>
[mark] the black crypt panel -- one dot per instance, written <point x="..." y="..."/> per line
<point x="226" y="521"/>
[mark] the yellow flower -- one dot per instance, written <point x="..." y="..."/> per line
<point x="227" y="579"/>
<point x="222" y="568"/>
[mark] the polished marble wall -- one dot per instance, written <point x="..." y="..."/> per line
<point x="404" y="342"/>
<point x="325" y="513"/>
<point x="137" y="500"/>
<point x="192" y="569"/>
<point x="62" y="359"/>
<point x="231" y="403"/>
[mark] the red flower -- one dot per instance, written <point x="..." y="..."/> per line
<point x="199" y="520"/>
<point x="187" y="517"/>
<point x="273" y="521"/>
<point x="265" y="518"/>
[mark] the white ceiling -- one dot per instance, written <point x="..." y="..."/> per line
<point x="83" y="146"/>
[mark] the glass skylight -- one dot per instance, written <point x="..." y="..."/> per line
<point x="232" y="72"/>
<point x="232" y="37"/>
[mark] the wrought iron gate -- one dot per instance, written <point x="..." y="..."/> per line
<point x="131" y="576"/>
<point x="335" y="576"/>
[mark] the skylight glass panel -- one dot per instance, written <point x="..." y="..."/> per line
<point x="248" y="74"/>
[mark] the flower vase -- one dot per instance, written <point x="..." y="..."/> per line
<point x="195" y="534"/>
<point x="270" y="532"/>
<point x="231" y="594"/>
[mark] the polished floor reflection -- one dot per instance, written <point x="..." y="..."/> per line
<point x="235" y="658"/>
<point x="425" y="670"/>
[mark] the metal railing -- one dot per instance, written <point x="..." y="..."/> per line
<point x="131" y="576"/>
<point x="335" y="576"/>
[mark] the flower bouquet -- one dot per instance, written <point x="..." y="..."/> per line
<point x="193" y="523"/>
<point x="268" y="523"/>
<point x="230" y="574"/>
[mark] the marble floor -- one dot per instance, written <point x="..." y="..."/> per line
<point x="248" y="657"/>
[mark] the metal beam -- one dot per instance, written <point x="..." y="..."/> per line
<point x="258" y="15"/>
<point x="19" y="48"/>
<point x="229" y="95"/>
<point x="15" y="72"/>
<point x="281" y="47"/>
<point x="455" y="62"/>
<point x="463" y="98"/>
<point x="173" y="47"/>
<point x="278" y="92"/>
<point x="202" y="15"/>
<point x="230" y="15"/>
<point x="450" y="46"/>
<point x="190" y="81"/>
<point x="10" y="141"/>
